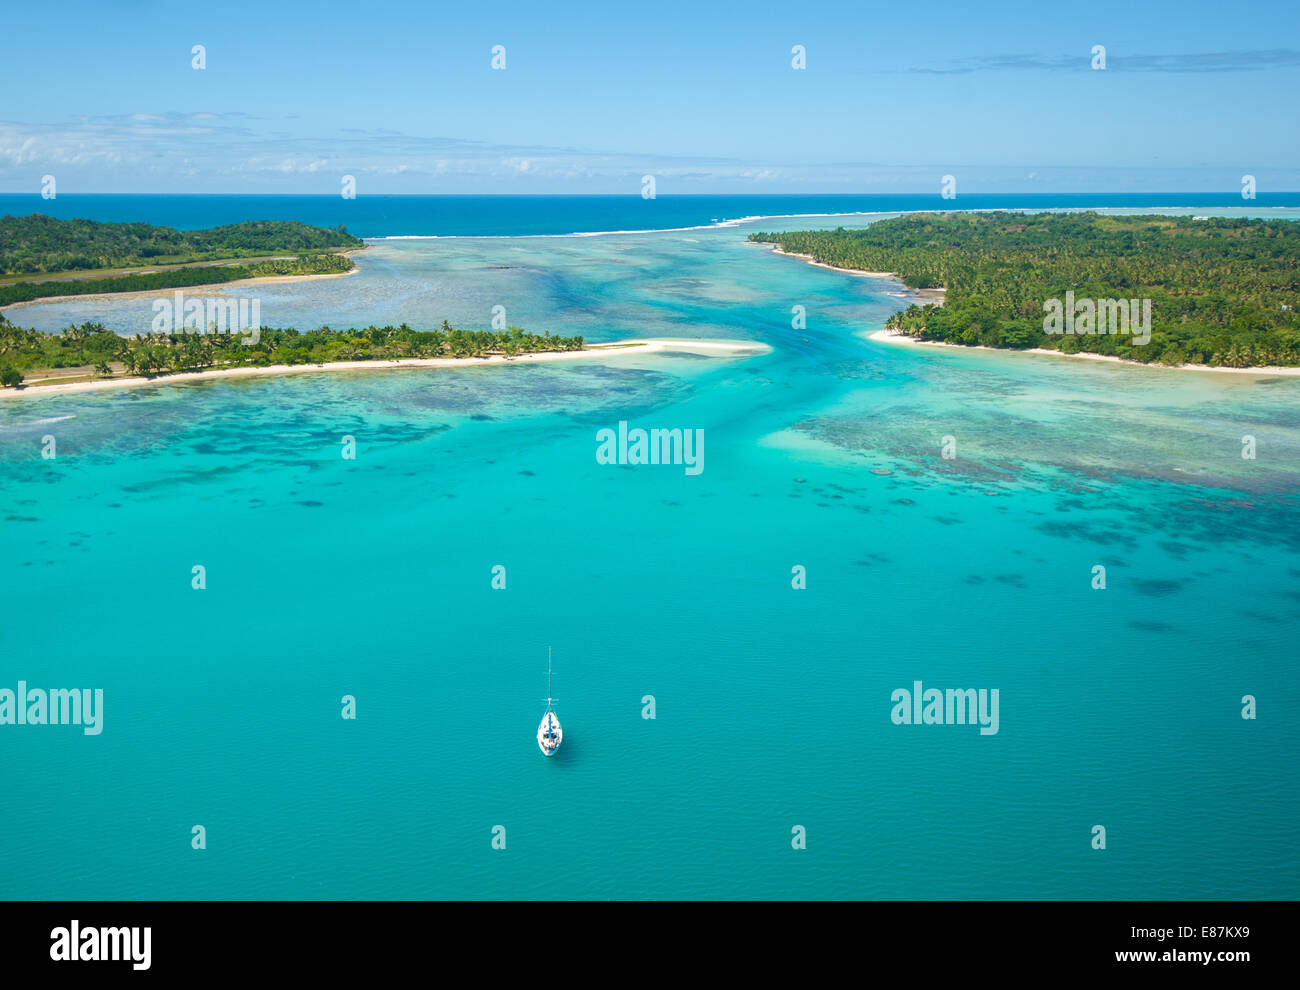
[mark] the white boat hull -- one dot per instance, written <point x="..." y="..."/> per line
<point x="549" y="734"/>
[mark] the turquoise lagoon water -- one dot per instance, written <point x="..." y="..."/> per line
<point x="372" y="577"/>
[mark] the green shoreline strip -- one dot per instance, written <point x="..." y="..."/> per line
<point x="40" y="245"/>
<point x="324" y="264"/>
<point x="92" y="346"/>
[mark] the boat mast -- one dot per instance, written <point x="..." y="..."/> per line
<point x="548" y="679"/>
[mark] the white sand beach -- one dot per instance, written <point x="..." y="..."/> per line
<point x="657" y="345"/>
<point x="894" y="337"/>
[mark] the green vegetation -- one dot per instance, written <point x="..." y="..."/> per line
<point x="38" y="244"/>
<point x="105" y="353"/>
<point x="100" y="255"/>
<point x="321" y="264"/>
<point x="1223" y="291"/>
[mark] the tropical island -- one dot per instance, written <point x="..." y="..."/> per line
<point x="91" y="357"/>
<point x="90" y="351"/>
<point x="42" y="257"/>
<point x="1222" y="292"/>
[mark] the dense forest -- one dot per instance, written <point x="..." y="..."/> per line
<point x="93" y="346"/>
<point x="38" y="244"/>
<point x="1223" y="291"/>
<point x="319" y="264"/>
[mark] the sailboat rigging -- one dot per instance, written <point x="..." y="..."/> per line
<point x="549" y="733"/>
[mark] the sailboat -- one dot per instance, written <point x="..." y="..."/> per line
<point x="549" y="733"/>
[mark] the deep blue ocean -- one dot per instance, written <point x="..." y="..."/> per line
<point x="372" y="578"/>
<point x="483" y="216"/>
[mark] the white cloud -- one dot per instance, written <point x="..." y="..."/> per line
<point x="226" y="152"/>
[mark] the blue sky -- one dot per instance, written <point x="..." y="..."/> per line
<point x="702" y="95"/>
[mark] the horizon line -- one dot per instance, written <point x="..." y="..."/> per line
<point x="335" y="195"/>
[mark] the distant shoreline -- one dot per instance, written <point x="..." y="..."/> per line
<point x="894" y="337"/>
<point x="167" y="291"/>
<point x="657" y="345"/>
